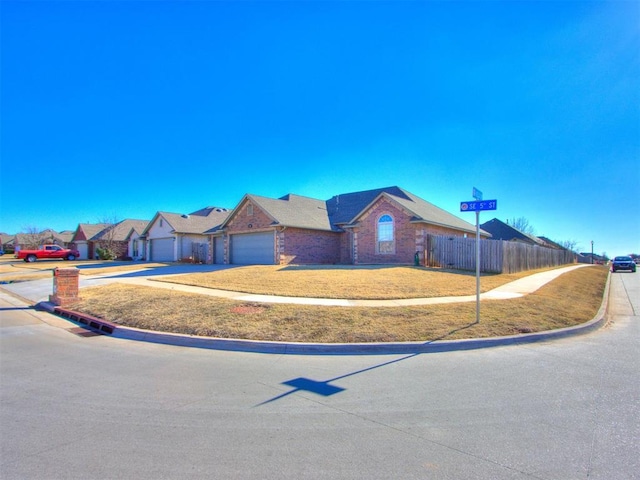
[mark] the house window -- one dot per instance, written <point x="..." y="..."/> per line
<point x="385" y="235"/>
<point x="161" y="223"/>
<point x="250" y="210"/>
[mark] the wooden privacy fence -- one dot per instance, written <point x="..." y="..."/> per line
<point x="496" y="256"/>
<point x="199" y="252"/>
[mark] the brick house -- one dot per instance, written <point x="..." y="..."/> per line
<point x="382" y="226"/>
<point x="82" y="239"/>
<point x="88" y="237"/>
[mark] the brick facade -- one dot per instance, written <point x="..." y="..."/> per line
<point x="403" y="246"/>
<point x="301" y="246"/>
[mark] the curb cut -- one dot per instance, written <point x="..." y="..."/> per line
<point x="284" y="348"/>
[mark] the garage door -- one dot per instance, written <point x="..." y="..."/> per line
<point x="162" y="250"/>
<point x="83" y="248"/>
<point x="252" y="249"/>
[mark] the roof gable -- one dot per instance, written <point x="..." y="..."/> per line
<point x="503" y="231"/>
<point x="86" y="231"/>
<point x="198" y="222"/>
<point x="289" y="211"/>
<point x="120" y="232"/>
<point x="346" y="209"/>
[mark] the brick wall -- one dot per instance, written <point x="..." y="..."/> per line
<point x="300" y="246"/>
<point x="403" y="247"/>
<point x="243" y="222"/>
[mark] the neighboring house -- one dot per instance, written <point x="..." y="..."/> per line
<point x="34" y="240"/>
<point x="172" y="237"/>
<point x="137" y="245"/>
<point x="6" y="242"/>
<point x="551" y="244"/>
<point x="82" y="239"/>
<point x="382" y="226"/>
<point x="503" y="231"/>
<point x="118" y="238"/>
<point x="88" y="237"/>
<point x="594" y="258"/>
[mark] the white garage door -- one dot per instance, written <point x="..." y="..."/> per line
<point x="162" y="250"/>
<point x="83" y="248"/>
<point x="252" y="249"/>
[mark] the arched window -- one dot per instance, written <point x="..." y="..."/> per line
<point x="385" y="234"/>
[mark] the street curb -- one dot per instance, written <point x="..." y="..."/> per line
<point x="284" y="348"/>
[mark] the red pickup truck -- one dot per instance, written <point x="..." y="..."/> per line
<point x="47" y="251"/>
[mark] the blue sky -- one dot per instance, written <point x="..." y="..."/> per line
<point x="119" y="108"/>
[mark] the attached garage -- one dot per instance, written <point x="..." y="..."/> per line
<point x="162" y="250"/>
<point x="253" y="249"/>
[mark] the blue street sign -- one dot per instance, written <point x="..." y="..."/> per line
<point x="477" y="194"/>
<point x="478" y="206"/>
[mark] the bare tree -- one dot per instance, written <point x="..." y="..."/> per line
<point x="33" y="237"/>
<point x="106" y="244"/>
<point x="522" y="224"/>
<point x="569" y="245"/>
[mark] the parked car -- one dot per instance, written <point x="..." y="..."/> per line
<point x="623" y="263"/>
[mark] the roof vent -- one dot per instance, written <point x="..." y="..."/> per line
<point x="185" y="216"/>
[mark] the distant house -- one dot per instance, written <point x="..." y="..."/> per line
<point x="118" y="238"/>
<point x="172" y="237"/>
<point x="82" y="239"/>
<point x="503" y="231"/>
<point x="381" y="226"/>
<point x="34" y="240"/>
<point x="593" y="258"/>
<point x="6" y="242"/>
<point x="551" y="244"/>
<point x="88" y="237"/>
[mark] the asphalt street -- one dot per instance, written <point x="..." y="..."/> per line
<point x="97" y="407"/>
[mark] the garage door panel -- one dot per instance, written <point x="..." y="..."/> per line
<point x="162" y="250"/>
<point x="252" y="249"/>
<point x="83" y="248"/>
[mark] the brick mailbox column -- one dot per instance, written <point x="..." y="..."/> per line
<point x="65" y="286"/>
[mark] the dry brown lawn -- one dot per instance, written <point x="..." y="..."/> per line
<point x="571" y="299"/>
<point x="346" y="282"/>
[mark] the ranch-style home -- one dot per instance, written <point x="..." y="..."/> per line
<point x="88" y="237"/>
<point x="382" y="226"/>
<point x="172" y="237"/>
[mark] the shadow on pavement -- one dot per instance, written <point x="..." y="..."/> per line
<point x="325" y="389"/>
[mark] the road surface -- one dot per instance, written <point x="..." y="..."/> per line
<point x="97" y="407"/>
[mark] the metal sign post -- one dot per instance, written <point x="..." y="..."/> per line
<point x="477" y="207"/>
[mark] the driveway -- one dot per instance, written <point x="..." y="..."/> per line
<point x="97" y="407"/>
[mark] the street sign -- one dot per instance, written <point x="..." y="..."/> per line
<point x="477" y="194"/>
<point x="478" y="206"/>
